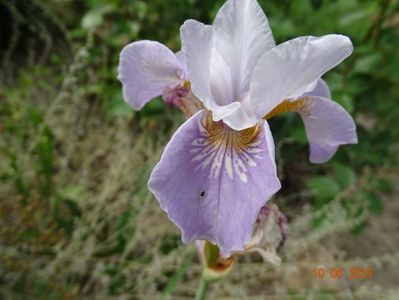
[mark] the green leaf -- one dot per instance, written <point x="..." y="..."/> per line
<point x="156" y="106"/>
<point x="45" y="152"/>
<point x="346" y="101"/>
<point x="318" y="222"/>
<point x="375" y="204"/>
<point x="116" y="106"/>
<point x="358" y="228"/>
<point x="169" y="243"/>
<point x="383" y="185"/>
<point x="352" y="17"/>
<point x="344" y="175"/>
<point x="298" y="135"/>
<point x="171" y="285"/>
<point x="323" y="187"/>
<point x="368" y="64"/>
<point x="95" y="17"/>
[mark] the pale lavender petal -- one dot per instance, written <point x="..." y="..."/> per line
<point x="327" y="126"/>
<point x="212" y="186"/>
<point x="321" y="90"/>
<point x="291" y="69"/>
<point x="145" y="69"/>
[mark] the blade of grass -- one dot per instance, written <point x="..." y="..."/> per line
<point x="171" y="285"/>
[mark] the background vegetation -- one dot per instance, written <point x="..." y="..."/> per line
<point x="77" y="220"/>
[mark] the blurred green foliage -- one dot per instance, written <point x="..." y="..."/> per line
<point x="58" y="69"/>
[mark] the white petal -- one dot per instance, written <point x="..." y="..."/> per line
<point x="221" y="80"/>
<point x="270" y="145"/>
<point x="181" y="58"/>
<point x="197" y="42"/>
<point x="145" y="69"/>
<point x="293" y="68"/>
<point x="242" y="35"/>
<point x="235" y="116"/>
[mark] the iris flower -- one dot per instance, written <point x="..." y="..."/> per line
<point x="219" y="169"/>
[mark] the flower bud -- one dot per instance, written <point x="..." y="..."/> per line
<point x="214" y="265"/>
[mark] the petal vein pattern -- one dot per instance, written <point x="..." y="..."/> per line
<point x="212" y="180"/>
<point x="221" y="147"/>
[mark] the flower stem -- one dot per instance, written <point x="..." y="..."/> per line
<point x="202" y="289"/>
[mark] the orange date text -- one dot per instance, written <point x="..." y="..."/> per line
<point x="340" y="273"/>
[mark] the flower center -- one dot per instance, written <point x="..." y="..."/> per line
<point x="182" y="97"/>
<point x="218" y="147"/>
<point x="221" y="135"/>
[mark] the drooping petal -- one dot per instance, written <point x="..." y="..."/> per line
<point x="321" y="90"/>
<point x="145" y="69"/>
<point x="235" y="116"/>
<point x="212" y="180"/>
<point x="270" y="233"/>
<point x="293" y="68"/>
<point x="197" y="44"/>
<point x="327" y="126"/>
<point x="242" y="35"/>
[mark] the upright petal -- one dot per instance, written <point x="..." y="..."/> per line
<point x="145" y="69"/>
<point x="197" y="42"/>
<point x="293" y="68"/>
<point x="327" y="126"/>
<point x="242" y="35"/>
<point x="212" y="180"/>
<point x="182" y="59"/>
<point x="221" y="80"/>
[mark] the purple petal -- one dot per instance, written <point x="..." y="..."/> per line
<point x="145" y="69"/>
<point x="212" y="180"/>
<point x="321" y="90"/>
<point x="327" y="125"/>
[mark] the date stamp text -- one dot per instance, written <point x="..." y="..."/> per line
<point x="341" y="273"/>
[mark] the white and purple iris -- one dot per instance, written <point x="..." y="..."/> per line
<point x="219" y="168"/>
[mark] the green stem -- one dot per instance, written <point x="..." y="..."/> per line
<point x="202" y="289"/>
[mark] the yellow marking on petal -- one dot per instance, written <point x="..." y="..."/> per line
<point x="222" y="135"/>
<point x="187" y="84"/>
<point x="287" y="106"/>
